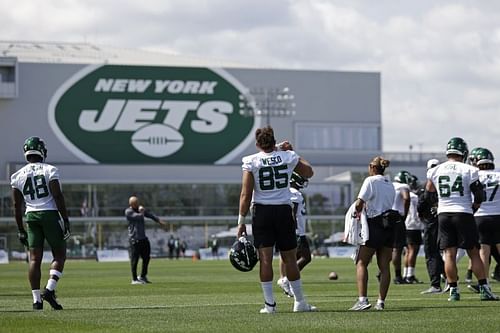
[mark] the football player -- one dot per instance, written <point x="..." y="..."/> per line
<point x="37" y="186"/>
<point x="414" y="227"/>
<point x="265" y="186"/>
<point x="459" y="194"/>
<point x="402" y="205"/>
<point x="488" y="215"/>
<point x="297" y="183"/>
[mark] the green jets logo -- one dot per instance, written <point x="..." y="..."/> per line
<point x="138" y="115"/>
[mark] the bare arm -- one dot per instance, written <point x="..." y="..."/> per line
<point x="18" y="199"/>
<point x="247" y="183"/>
<point x="406" y="201"/>
<point x="55" y="189"/>
<point x="358" y="206"/>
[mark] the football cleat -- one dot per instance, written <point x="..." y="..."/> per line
<point x="268" y="308"/>
<point x="144" y="279"/>
<point x="38" y="306"/>
<point x="50" y="297"/>
<point x="137" y="282"/>
<point x="432" y="290"/>
<point x="303" y="307"/>
<point x="454" y="295"/>
<point x="399" y="280"/>
<point x="487" y="294"/>
<point x="284" y="284"/>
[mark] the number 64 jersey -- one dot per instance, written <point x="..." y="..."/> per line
<point x="490" y="180"/>
<point x="271" y="174"/>
<point x="33" y="182"/>
<point x="452" y="181"/>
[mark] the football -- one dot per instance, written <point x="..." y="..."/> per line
<point x="332" y="276"/>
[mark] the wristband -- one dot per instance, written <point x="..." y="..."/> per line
<point x="241" y="219"/>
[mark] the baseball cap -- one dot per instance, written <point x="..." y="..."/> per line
<point x="432" y="163"/>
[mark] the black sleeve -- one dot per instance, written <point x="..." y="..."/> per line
<point x="477" y="189"/>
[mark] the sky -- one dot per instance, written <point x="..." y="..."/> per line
<point x="439" y="60"/>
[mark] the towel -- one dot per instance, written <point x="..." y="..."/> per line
<point x="355" y="232"/>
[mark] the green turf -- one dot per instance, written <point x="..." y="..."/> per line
<point x="211" y="296"/>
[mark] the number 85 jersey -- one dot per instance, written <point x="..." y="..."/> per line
<point x="490" y="180"/>
<point x="33" y="182"/>
<point x="452" y="181"/>
<point x="271" y="174"/>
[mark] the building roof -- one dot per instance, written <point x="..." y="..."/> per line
<point x="87" y="53"/>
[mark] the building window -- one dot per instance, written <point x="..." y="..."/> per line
<point x="321" y="136"/>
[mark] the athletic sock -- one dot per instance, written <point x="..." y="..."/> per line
<point x="482" y="282"/>
<point x="380" y="301"/>
<point x="55" y="275"/>
<point x="405" y="272"/>
<point x="411" y="271"/>
<point x="296" y="287"/>
<point x="362" y="299"/>
<point x="36" y="296"/>
<point x="267" y="289"/>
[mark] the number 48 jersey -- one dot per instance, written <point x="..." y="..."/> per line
<point x="452" y="181"/>
<point x="271" y="174"/>
<point x="490" y="180"/>
<point x="33" y="182"/>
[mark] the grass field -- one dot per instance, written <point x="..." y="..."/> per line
<point x="211" y="296"/>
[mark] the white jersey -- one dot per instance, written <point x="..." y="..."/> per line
<point x="452" y="181"/>
<point x="490" y="180"/>
<point x="271" y="173"/>
<point x="298" y="199"/>
<point x="33" y="182"/>
<point x="399" y="203"/>
<point x="412" y="221"/>
<point x="378" y="194"/>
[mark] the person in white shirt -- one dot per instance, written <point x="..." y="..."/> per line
<point x="414" y="227"/>
<point x="297" y="183"/>
<point x="37" y="187"/>
<point x="402" y="205"/>
<point x="376" y="197"/>
<point x="265" y="187"/>
<point x="459" y="194"/>
<point x="488" y="215"/>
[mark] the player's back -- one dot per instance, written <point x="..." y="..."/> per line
<point x="32" y="181"/>
<point x="452" y="180"/>
<point x="398" y="198"/>
<point x="271" y="172"/>
<point x="490" y="180"/>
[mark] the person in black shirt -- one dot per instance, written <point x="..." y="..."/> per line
<point x="139" y="243"/>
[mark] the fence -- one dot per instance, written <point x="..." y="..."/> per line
<point x="89" y="234"/>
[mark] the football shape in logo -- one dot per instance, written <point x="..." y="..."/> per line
<point x="157" y="140"/>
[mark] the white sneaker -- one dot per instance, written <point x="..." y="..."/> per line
<point x="303" y="307"/>
<point x="360" y="306"/>
<point x="432" y="290"/>
<point x="268" y="309"/>
<point x="137" y="282"/>
<point x="284" y="284"/>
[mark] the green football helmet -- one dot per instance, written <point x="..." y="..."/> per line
<point x="472" y="159"/>
<point x="457" y="146"/>
<point x="404" y="177"/>
<point x="484" y="156"/>
<point x="35" y="146"/>
<point x="298" y="181"/>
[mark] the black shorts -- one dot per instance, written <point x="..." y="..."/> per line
<point x="379" y="236"/>
<point x="399" y="235"/>
<point x="488" y="228"/>
<point x="457" y="230"/>
<point x="414" y="237"/>
<point x="273" y="225"/>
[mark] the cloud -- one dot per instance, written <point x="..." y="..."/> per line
<point x="439" y="59"/>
